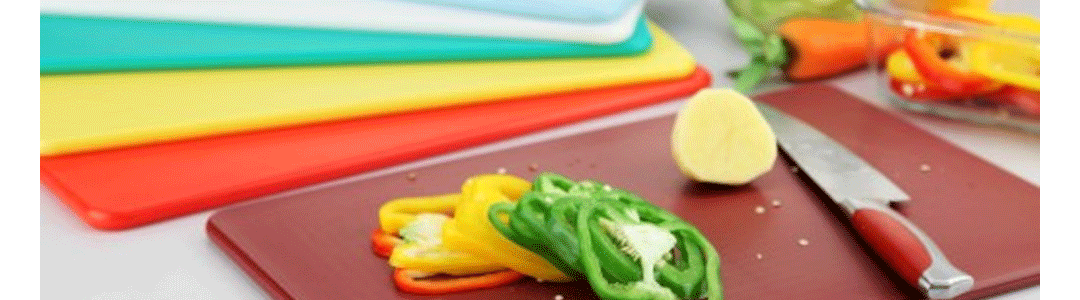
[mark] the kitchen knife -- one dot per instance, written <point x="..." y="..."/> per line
<point x="865" y="194"/>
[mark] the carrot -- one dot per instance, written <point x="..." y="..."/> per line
<point x="821" y="48"/>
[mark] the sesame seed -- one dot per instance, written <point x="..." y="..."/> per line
<point x="924" y="168"/>
<point x="501" y="171"/>
<point x="803" y="242"/>
<point x="759" y="210"/>
<point x="759" y="256"/>
<point x="558" y="297"/>
<point x="776" y="203"/>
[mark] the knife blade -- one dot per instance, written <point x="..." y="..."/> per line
<point x="865" y="194"/>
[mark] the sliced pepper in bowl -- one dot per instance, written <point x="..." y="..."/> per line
<point x="952" y="74"/>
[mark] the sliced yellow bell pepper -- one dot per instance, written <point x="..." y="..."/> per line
<point x="900" y="67"/>
<point x="1009" y="60"/>
<point x="472" y="232"/>
<point x="967" y="4"/>
<point x="423" y="250"/>
<point x="1012" y="63"/>
<point x="395" y="214"/>
<point x="426" y="252"/>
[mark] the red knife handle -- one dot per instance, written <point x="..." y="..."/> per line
<point x="908" y="250"/>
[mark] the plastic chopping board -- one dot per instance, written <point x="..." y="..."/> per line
<point x="78" y="44"/>
<point x="81" y="112"/>
<point x="570" y="10"/>
<point x="378" y="15"/>
<point x="315" y="245"/>
<point x="129" y="187"/>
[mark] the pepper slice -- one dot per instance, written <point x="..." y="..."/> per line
<point x="410" y="281"/>
<point x="1027" y="100"/>
<point x="924" y="49"/>
<point x="647" y="235"/>
<point x="471" y="230"/>
<point x="920" y="91"/>
<point x="396" y="213"/>
<point x="546" y="222"/>
<point x="423" y="250"/>
<point x="383" y="243"/>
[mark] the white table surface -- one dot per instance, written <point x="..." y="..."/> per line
<point x="174" y="259"/>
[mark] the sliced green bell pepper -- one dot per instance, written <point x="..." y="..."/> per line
<point x="649" y="236"/>
<point x="546" y="221"/>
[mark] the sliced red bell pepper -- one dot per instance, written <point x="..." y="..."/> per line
<point x="920" y="91"/>
<point x="1027" y="100"/>
<point x="383" y="243"/>
<point x="409" y="282"/>
<point x="925" y="52"/>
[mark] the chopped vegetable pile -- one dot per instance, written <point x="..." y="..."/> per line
<point x="502" y="228"/>
<point x="936" y="67"/>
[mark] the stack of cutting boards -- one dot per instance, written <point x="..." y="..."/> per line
<point x="156" y="109"/>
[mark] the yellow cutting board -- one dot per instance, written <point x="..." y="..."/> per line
<point x="83" y="112"/>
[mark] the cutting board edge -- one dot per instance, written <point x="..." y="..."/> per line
<point x="238" y="256"/>
<point x="111" y="219"/>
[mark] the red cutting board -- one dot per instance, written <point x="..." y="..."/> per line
<point x="315" y="245"/>
<point x="123" y="188"/>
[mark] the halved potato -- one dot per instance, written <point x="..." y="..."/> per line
<point x="720" y="137"/>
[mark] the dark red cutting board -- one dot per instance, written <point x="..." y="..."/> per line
<point x="122" y="188"/>
<point x="315" y="245"/>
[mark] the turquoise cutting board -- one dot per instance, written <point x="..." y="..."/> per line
<point x="75" y="44"/>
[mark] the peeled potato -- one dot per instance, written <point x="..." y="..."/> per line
<point x="721" y="137"/>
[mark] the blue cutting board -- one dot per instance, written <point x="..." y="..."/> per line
<point x="78" y="44"/>
<point x="569" y="10"/>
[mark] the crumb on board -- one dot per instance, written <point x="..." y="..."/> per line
<point x="759" y="210"/>
<point x="924" y="168"/>
<point x="804" y="242"/>
<point x="411" y="176"/>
